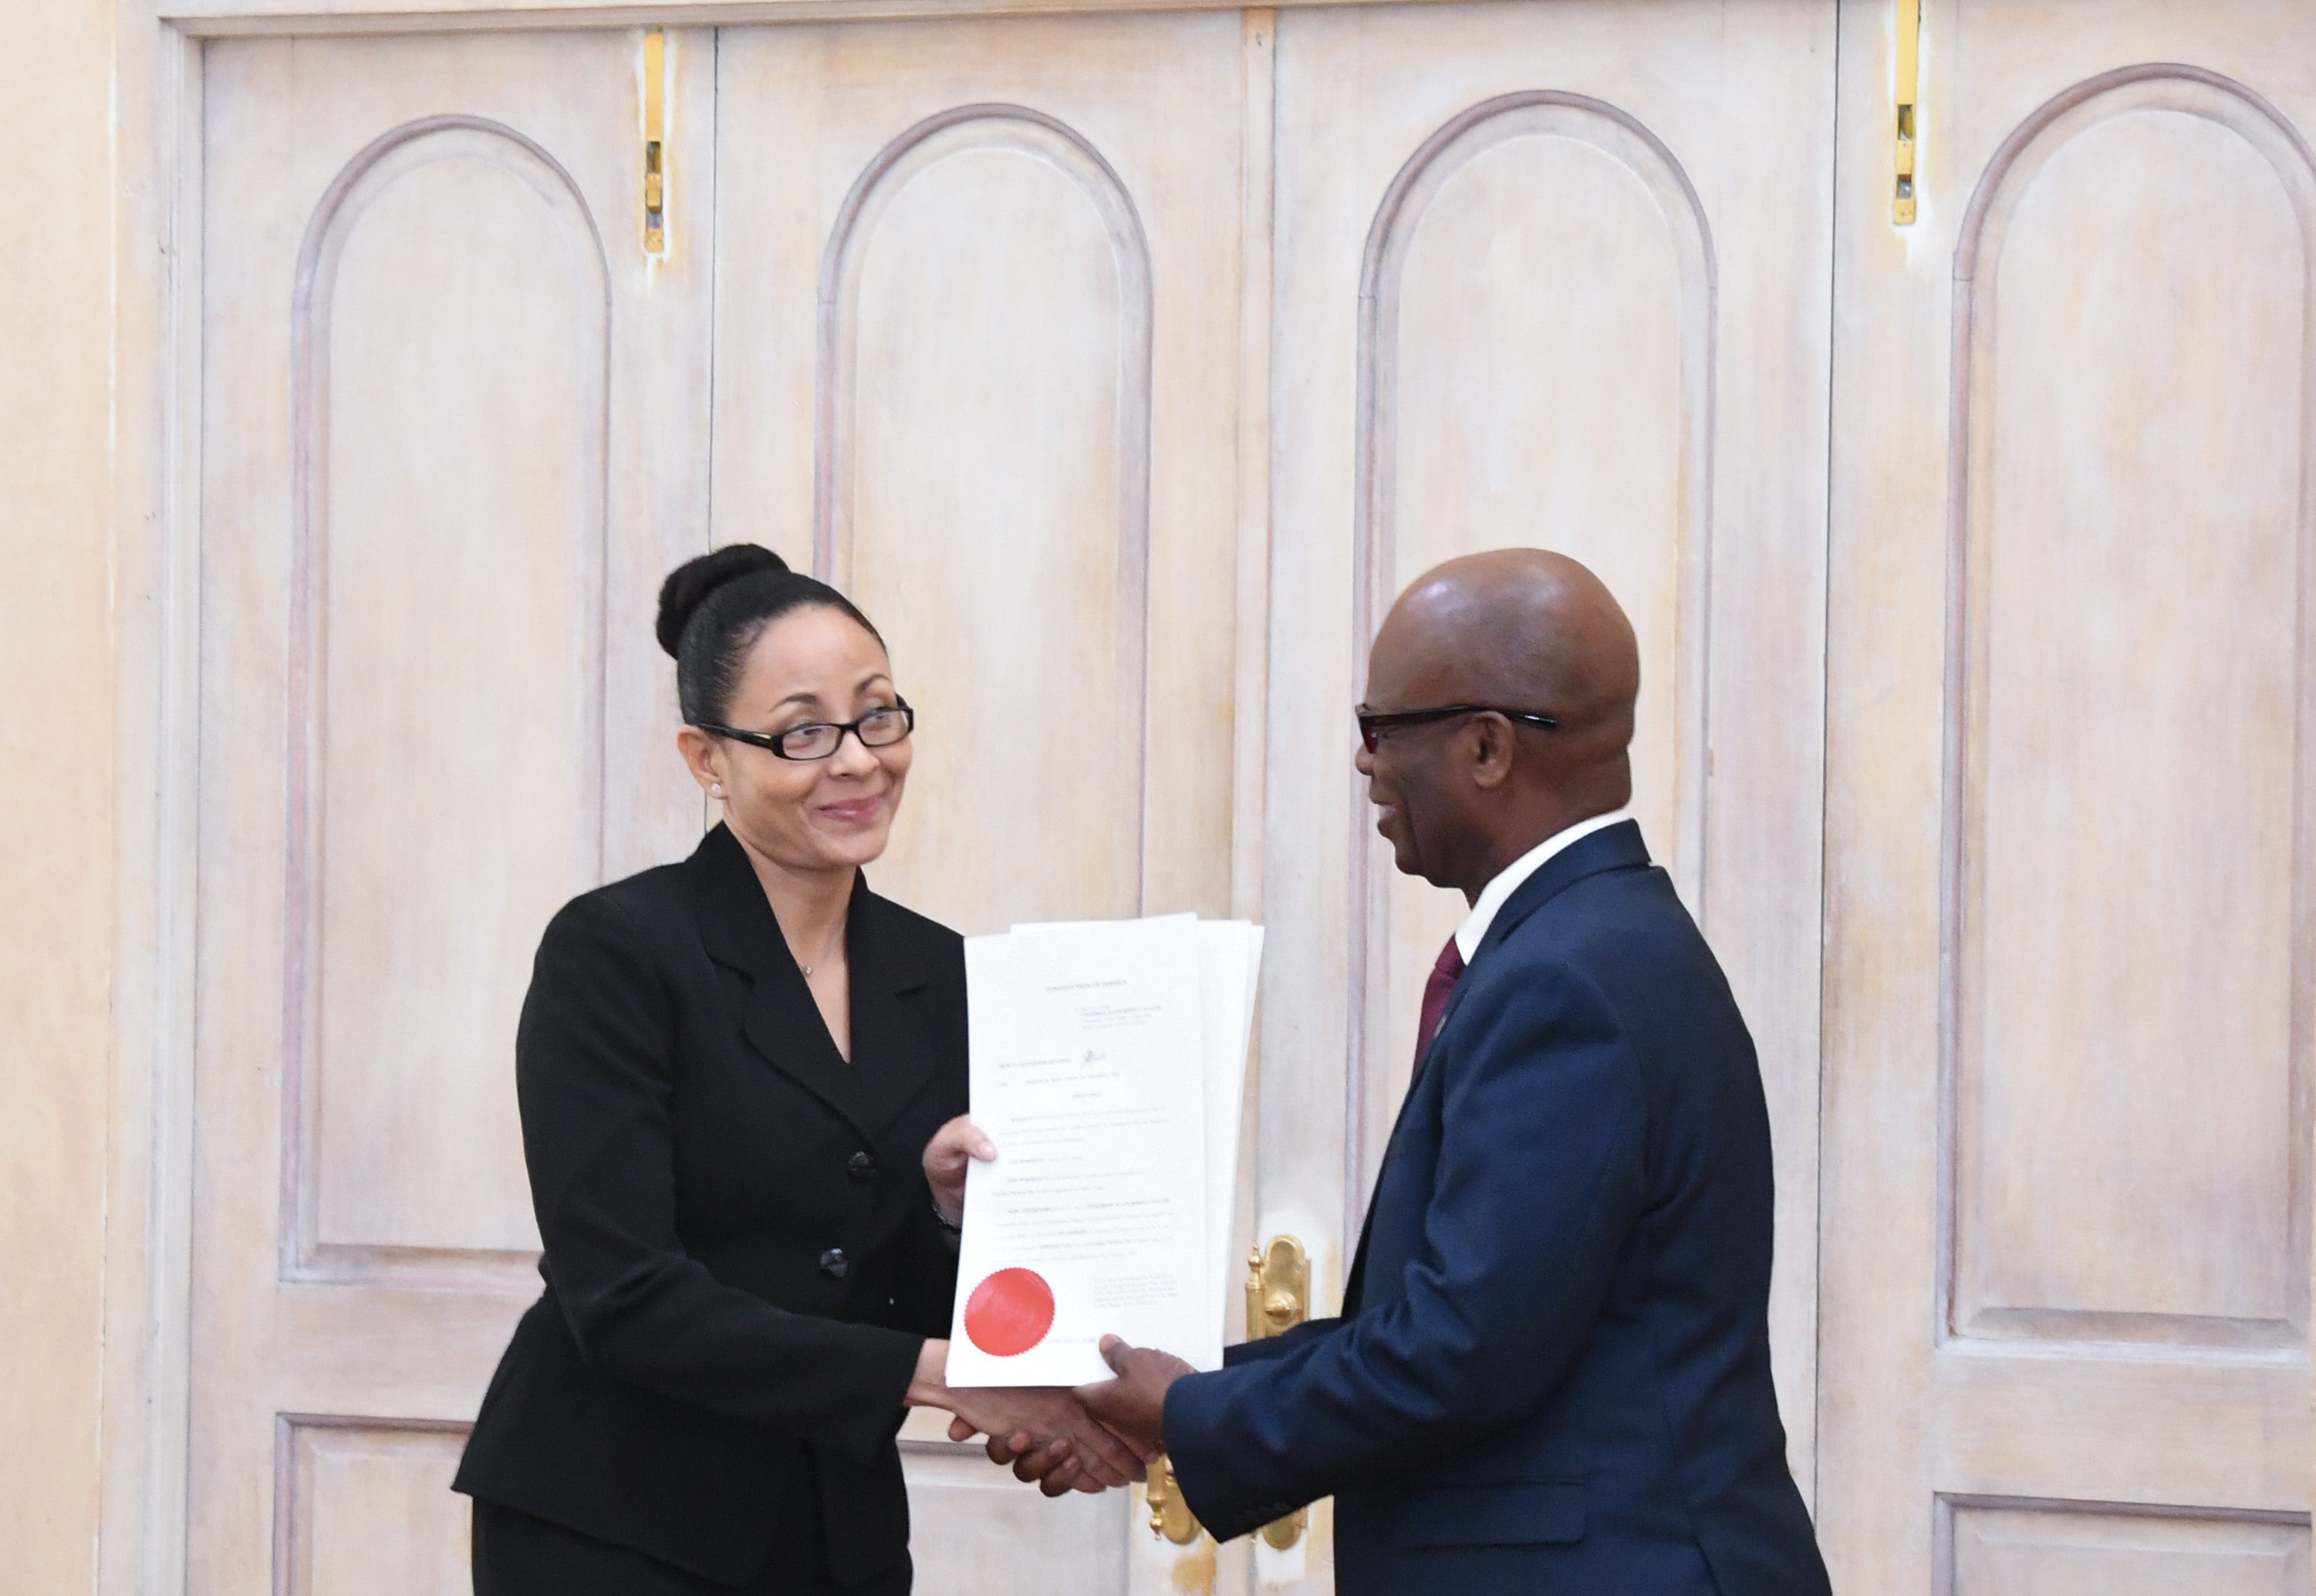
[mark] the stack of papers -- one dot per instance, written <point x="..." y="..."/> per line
<point x="1109" y="1062"/>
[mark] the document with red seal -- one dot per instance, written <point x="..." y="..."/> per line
<point x="1107" y="1065"/>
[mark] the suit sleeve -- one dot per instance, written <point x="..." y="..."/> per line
<point x="1539" y="1179"/>
<point x="1277" y="1346"/>
<point x="926" y="1301"/>
<point x="594" y="1072"/>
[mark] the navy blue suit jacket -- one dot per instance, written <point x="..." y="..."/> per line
<point x="1552" y="1373"/>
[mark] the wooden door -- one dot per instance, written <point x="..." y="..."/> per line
<point x="979" y="360"/>
<point x="453" y="425"/>
<point x="2068" y="993"/>
<point x="1552" y="274"/>
<point x="1122" y="368"/>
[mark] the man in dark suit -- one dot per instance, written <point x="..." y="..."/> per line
<point x="1552" y="1369"/>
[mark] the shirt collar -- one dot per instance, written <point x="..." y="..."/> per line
<point x="1513" y="876"/>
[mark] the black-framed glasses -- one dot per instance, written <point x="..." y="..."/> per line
<point x="1373" y="723"/>
<point x="879" y="728"/>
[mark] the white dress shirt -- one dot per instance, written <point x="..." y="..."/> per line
<point x="1513" y="876"/>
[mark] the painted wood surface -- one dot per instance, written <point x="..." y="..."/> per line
<point x="451" y="441"/>
<point x="986" y="378"/>
<point x="977" y="361"/>
<point x="1430" y="163"/>
<point x="1124" y="368"/>
<point x="2066" y="1233"/>
<point x="1266" y="357"/>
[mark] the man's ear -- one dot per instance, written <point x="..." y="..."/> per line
<point x="1493" y="752"/>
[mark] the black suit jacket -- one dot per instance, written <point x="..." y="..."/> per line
<point x="741" y="1261"/>
<point x="1552" y="1373"/>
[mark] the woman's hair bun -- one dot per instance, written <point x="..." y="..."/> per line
<point x="687" y="586"/>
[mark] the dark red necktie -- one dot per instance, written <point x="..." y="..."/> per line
<point x="1437" y="988"/>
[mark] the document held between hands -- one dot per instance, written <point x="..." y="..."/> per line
<point x="1108" y="1063"/>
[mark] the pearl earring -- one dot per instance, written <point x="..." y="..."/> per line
<point x="716" y="789"/>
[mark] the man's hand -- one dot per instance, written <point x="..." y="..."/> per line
<point x="954" y="1146"/>
<point x="1046" y="1435"/>
<point x="1131" y="1410"/>
<point x="1134" y="1404"/>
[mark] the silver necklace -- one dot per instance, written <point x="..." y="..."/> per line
<point x="838" y="943"/>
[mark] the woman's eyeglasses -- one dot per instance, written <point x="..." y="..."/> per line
<point x="1373" y="724"/>
<point x="879" y="728"/>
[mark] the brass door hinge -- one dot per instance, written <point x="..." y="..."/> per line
<point x="1907" y="97"/>
<point x="656" y="142"/>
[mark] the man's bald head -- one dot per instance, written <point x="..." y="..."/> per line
<point x="1514" y="629"/>
<point x="1522" y="628"/>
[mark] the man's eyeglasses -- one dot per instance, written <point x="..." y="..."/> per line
<point x="1373" y="724"/>
<point x="879" y="728"/>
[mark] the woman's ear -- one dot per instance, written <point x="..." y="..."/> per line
<point x="703" y="755"/>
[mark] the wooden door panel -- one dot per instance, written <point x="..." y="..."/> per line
<point x="2054" y="1552"/>
<point x="418" y="461"/>
<point x="368" y="1510"/>
<point x="987" y="377"/>
<point x="2002" y="1425"/>
<point x="451" y="425"/>
<point x="986" y="452"/>
<point x="978" y="363"/>
<point x="1551" y="274"/>
<point x="2067" y="1213"/>
<point x="1539" y="344"/>
<point x="2130" y="1128"/>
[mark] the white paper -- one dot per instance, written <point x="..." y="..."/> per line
<point x="1230" y="958"/>
<point x="1089" y="1074"/>
<point x="1230" y="953"/>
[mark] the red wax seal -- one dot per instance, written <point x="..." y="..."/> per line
<point x="1010" y="1312"/>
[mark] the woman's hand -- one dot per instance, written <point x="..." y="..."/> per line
<point x="1042" y="1429"/>
<point x="1047" y="1436"/>
<point x="954" y="1146"/>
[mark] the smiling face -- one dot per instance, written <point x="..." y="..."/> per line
<point x="812" y="665"/>
<point x="1519" y="630"/>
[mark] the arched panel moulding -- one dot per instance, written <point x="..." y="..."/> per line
<point x="982" y="486"/>
<point x="2130" y="700"/>
<point x="446" y="626"/>
<point x="1537" y="332"/>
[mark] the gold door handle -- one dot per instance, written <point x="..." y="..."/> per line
<point x="1170" y="1515"/>
<point x="1277" y="1299"/>
<point x="1277" y="1288"/>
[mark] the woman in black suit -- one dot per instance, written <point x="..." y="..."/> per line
<point x="728" y="1069"/>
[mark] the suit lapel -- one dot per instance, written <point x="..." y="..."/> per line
<point x="891" y="1058"/>
<point x="1618" y="847"/>
<point x="1355" y="1283"/>
<point x="781" y="1021"/>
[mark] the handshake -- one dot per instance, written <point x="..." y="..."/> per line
<point x="1090" y="1438"/>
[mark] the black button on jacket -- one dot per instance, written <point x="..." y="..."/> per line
<point x="734" y="1303"/>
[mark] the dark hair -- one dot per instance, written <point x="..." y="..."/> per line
<point x="713" y="609"/>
